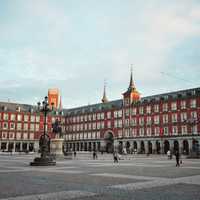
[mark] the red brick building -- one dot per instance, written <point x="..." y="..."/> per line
<point x="22" y="125"/>
<point x="150" y="124"/>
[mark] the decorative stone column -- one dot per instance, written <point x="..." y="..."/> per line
<point x="153" y="146"/>
<point x="138" y="146"/>
<point x="56" y="147"/>
<point x="146" y="149"/>
<point x="190" y="146"/>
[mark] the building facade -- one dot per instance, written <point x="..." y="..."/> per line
<point x="153" y="124"/>
<point x="22" y="125"/>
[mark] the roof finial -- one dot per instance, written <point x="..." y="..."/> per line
<point x="104" y="99"/>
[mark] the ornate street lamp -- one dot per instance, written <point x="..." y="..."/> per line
<point x="45" y="158"/>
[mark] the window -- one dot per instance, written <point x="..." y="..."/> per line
<point x="148" y="109"/>
<point x="119" y="123"/>
<point x="5" y="116"/>
<point x="94" y="126"/>
<point x="25" y="126"/>
<point x="165" y="119"/>
<point x="194" y="115"/>
<point x="5" y="125"/>
<point x="37" y="119"/>
<point x="148" y="120"/>
<point x="19" y="117"/>
<point x="108" y="115"/>
<point x="134" y="111"/>
<point x="156" y="119"/>
<point x="183" y="104"/>
<point x="141" y="131"/>
<point x="102" y="125"/>
<point x="12" y="126"/>
<point x="94" y="117"/>
<point x="134" y="131"/>
<point x="98" y="134"/>
<point x="12" y="117"/>
<point x="32" y="118"/>
<point x="193" y="103"/>
<point x="141" y="121"/>
<point x="119" y="133"/>
<point x="134" y="121"/>
<point x="184" y="130"/>
<point x="19" y="126"/>
<point x="115" y="123"/>
<point x="157" y="131"/>
<point x="141" y="110"/>
<point x="126" y="102"/>
<point x="174" y="130"/>
<point x="156" y="108"/>
<point x="102" y="115"/>
<point x="183" y="117"/>
<point x="126" y="122"/>
<point x="148" y="131"/>
<point x="119" y="113"/>
<point x="194" y="129"/>
<point x="127" y="112"/>
<point x="98" y="116"/>
<point x="174" y="106"/>
<point x="31" y="136"/>
<point x="166" y="130"/>
<point x="165" y="107"/>
<point x="174" y="117"/>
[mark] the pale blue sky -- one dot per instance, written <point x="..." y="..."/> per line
<point x="75" y="45"/>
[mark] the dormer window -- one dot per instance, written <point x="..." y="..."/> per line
<point x="18" y="109"/>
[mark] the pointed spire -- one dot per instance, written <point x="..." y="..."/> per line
<point x="104" y="99"/>
<point x="131" y="85"/>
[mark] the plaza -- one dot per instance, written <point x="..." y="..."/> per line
<point x="134" y="177"/>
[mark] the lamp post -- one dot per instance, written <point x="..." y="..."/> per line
<point x="44" y="143"/>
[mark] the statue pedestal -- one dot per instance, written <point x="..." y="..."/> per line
<point x="56" y="147"/>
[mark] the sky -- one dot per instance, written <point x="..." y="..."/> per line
<point x="76" y="45"/>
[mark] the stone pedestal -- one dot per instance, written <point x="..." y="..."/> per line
<point x="57" y="147"/>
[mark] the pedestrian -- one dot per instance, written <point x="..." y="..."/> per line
<point x="94" y="155"/>
<point x="177" y="155"/>
<point x="115" y="157"/>
<point x="74" y="154"/>
<point x="168" y="154"/>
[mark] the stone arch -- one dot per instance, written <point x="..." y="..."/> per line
<point x="142" y="146"/>
<point x="150" y="150"/>
<point x="128" y="147"/>
<point x="176" y="145"/>
<point x="185" y="147"/>
<point x="166" y="146"/>
<point x="109" y="141"/>
<point x="135" y="145"/>
<point x="195" y="146"/>
<point x="158" y="147"/>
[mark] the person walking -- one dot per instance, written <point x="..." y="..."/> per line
<point x="115" y="157"/>
<point x="177" y="155"/>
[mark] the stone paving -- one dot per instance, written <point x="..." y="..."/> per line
<point x="134" y="177"/>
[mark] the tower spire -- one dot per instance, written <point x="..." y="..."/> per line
<point x="104" y="99"/>
<point x="131" y="85"/>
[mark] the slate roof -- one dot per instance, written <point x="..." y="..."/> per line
<point x="116" y="104"/>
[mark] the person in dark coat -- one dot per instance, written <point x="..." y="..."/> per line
<point x="115" y="157"/>
<point x="177" y="155"/>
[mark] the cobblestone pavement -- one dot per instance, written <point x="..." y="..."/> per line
<point x="82" y="178"/>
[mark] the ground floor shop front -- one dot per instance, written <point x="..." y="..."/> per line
<point x="185" y="145"/>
